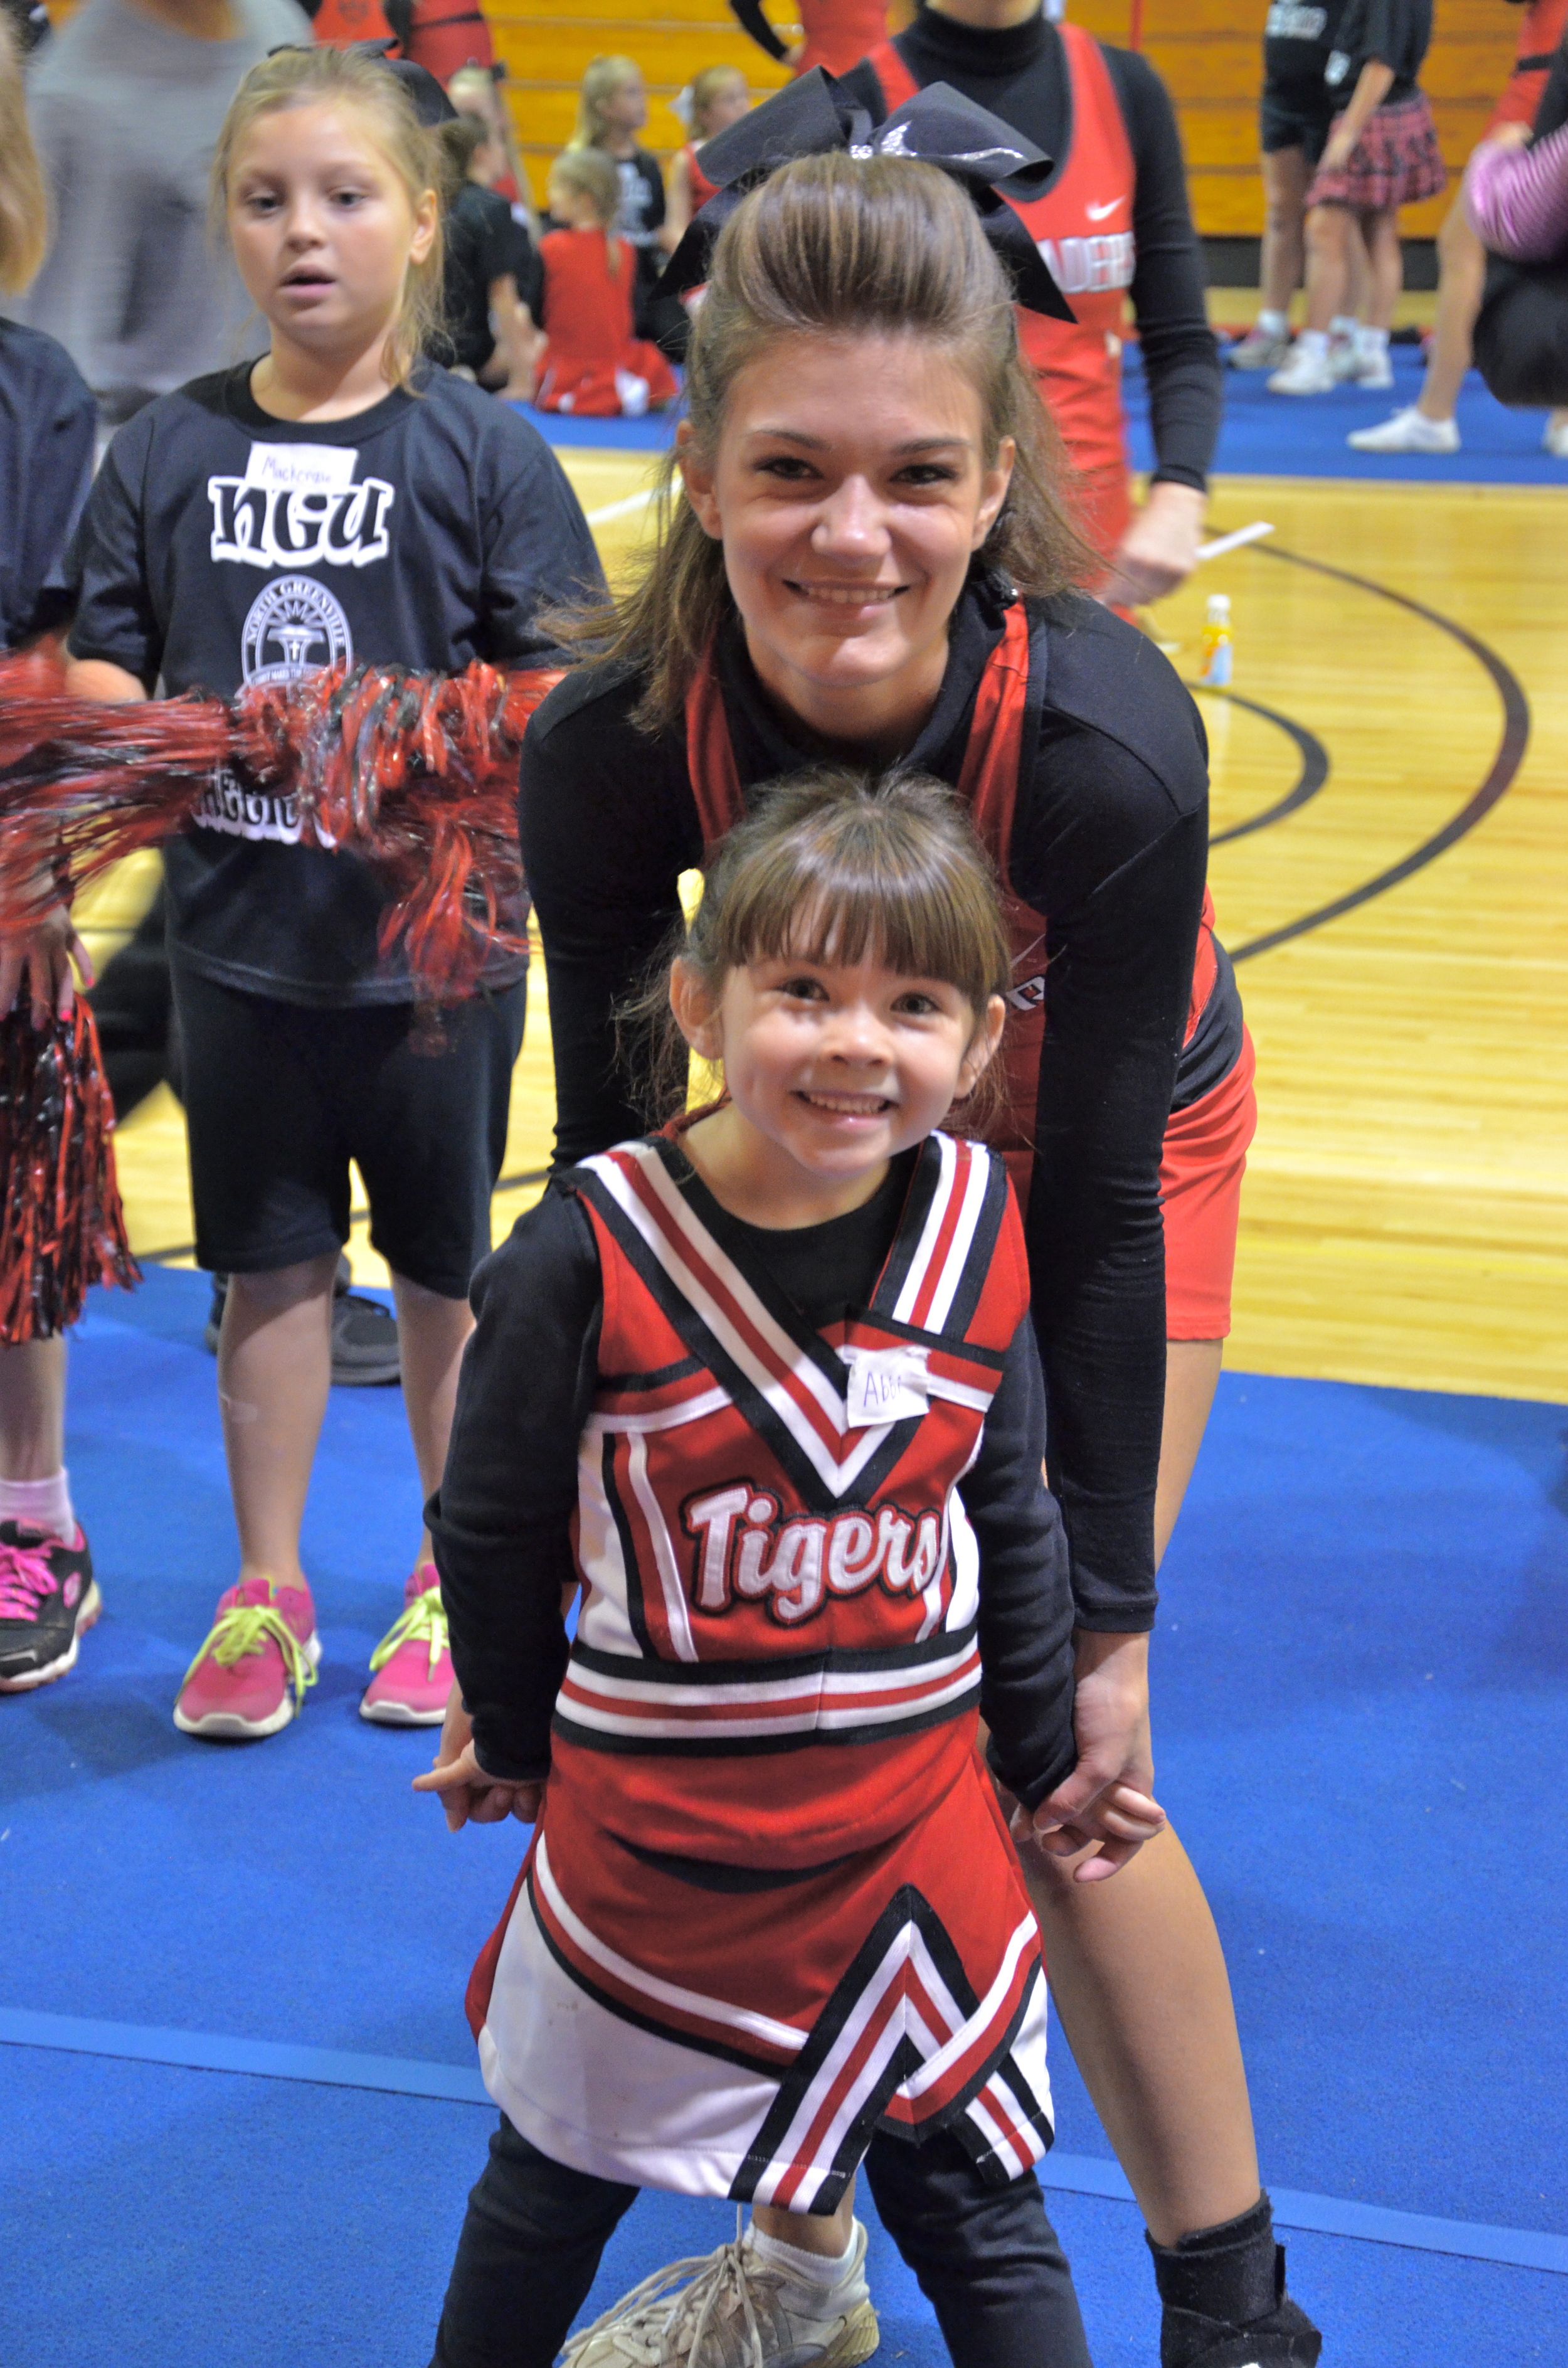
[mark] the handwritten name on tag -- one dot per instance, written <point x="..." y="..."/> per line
<point x="885" y="1385"/>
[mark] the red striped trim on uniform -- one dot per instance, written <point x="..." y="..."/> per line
<point x="794" y="1386"/>
<point x="827" y="1701"/>
<point x="648" y="1996"/>
<point x="907" y="2000"/>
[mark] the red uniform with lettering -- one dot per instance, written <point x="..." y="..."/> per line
<point x="1082" y="226"/>
<point x="1206" y="1141"/>
<point x="776" y="1669"/>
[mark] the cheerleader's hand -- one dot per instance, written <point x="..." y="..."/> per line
<point x="44" y="958"/>
<point x="1159" y="550"/>
<point x="1106" y="1805"/>
<point x="466" y="1789"/>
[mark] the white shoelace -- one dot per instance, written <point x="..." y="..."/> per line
<point x="654" y="2327"/>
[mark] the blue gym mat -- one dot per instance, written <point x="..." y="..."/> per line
<point x="1263" y="435"/>
<point x="1358" y="1696"/>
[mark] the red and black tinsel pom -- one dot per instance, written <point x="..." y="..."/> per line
<point x="417" y="774"/>
<point x="63" y="1225"/>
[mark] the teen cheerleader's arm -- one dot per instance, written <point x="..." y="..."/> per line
<point x="501" y="1520"/>
<point x="1064" y="1801"/>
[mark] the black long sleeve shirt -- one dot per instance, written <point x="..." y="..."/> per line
<point x="501" y="1521"/>
<point x="1109" y="843"/>
<point x="1020" y="74"/>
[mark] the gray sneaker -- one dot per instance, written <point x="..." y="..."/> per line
<point x="364" y="1334"/>
<point x="1256" y="350"/>
<point x="732" y="2309"/>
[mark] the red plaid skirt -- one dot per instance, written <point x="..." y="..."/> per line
<point x="1395" y="162"/>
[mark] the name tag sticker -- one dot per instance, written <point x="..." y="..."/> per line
<point x="885" y="1385"/>
<point x="301" y="468"/>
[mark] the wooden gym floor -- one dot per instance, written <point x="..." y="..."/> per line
<point x="1391" y="870"/>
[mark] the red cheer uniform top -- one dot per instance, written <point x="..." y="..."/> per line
<point x="776" y="1671"/>
<point x="1541" y="26"/>
<point x="1082" y="226"/>
<point x="839" y="33"/>
<point x="592" y="354"/>
<point x="702" y="188"/>
<point x="988" y="788"/>
<point x="336" y="23"/>
<point x="445" y="37"/>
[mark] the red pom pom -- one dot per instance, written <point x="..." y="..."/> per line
<point x="63" y="1225"/>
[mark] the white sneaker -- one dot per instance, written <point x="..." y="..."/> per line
<point x="1555" y="439"/>
<point x="1256" y="350"/>
<point x="733" y="2310"/>
<point x="1306" y="373"/>
<point x="1354" y="364"/>
<point x="1408" y="431"/>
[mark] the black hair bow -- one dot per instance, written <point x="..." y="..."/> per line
<point x="815" y="116"/>
<point x="429" y="102"/>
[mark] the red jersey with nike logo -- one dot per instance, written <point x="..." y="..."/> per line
<point x="1082" y="226"/>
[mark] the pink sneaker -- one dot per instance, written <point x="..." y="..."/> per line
<point x="250" y="1677"/>
<point x="411" y="1666"/>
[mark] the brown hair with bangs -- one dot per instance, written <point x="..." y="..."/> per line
<point x="835" y="866"/>
<point x="841" y="247"/>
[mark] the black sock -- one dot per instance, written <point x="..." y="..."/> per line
<point x="1224" y="2283"/>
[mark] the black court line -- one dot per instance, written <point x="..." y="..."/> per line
<point x="356" y="1216"/>
<point x="1309" y="781"/>
<point x="1500" y="774"/>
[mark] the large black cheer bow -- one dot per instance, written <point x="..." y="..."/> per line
<point x="815" y="116"/>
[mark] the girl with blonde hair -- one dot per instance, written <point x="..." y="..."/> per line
<point x="341" y="499"/>
<point x="612" y="107"/>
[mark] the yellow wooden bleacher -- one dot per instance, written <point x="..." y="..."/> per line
<point x="1208" y="50"/>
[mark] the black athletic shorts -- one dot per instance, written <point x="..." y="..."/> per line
<point x="1292" y="116"/>
<point x="279" y="1099"/>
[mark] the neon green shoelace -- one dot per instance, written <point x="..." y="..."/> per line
<point x="424" y="1623"/>
<point x="247" y="1628"/>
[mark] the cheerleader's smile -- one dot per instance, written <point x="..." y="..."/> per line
<point x="850" y="490"/>
<point x="831" y="1070"/>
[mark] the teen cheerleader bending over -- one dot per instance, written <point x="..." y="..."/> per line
<point x="865" y="557"/>
<point x="766" y="1386"/>
<point x="339" y="499"/>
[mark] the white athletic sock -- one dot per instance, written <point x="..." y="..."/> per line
<point x="41" y="1504"/>
<point x="1270" y="324"/>
<point x="1344" y="325"/>
<point x="824" y="2270"/>
<point x="1312" y="341"/>
<point x="1372" y="341"/>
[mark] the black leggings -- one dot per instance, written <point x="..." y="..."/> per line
<point x="986" y="2258"/>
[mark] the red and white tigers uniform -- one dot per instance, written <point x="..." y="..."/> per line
<point x="772" y="1905"/>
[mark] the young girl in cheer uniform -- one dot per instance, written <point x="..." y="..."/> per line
<point x="339" y="499"/>
<point x="713" y="99"/>
<point x="839" y="576"/>
<point x="593" y="364"/>
<point x="766" y="1386"/>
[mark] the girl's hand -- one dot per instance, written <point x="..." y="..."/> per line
<point x="1159" y="550"/>
<point x="1338" y="150"/>
<point x="466" y="1790"/>
<point x="1109" y="1797"/>
<point x="43" y="961"/>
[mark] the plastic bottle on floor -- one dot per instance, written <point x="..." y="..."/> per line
<point x="1216" y="667"/>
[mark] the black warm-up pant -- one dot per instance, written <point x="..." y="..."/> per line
<point x="986" y="2258"/>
